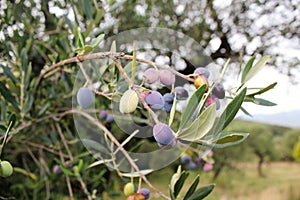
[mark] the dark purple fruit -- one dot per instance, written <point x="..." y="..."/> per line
<point x="181" y="93"/>
<point x="110" y="118"/>
<point x="219" y="91"/>
<point x="85" y="97"/>
<point x="192" y="166"/>
<point x="185" y="159"/>
<point x="166" y="77"/>
<point x="155" y="100"/>
<point x="102" y="114"/>
<point x="151" y="75"/>
<point x="163" y="134"/>
<point x="145" y="192"/>
<point x="202" y="71"/>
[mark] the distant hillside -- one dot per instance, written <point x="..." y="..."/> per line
<point x="288" y="119"/>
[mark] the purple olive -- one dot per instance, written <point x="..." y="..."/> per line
<point x="185" y="159"/>
<point x="166" y="77"/>
<point x="181" y="93"/>
<point x="151" y="75"/>
<point x="145" y="192"/>
<point x="163" y="134"/>
<point x="219" y="91"/>
<point x="202" y="71"/>
<point x="85" y="97"/>
<point x="110" y="118"/>
<point x="155" y="100"/>
<point x="192" y="166"/>
<point x="102" y="114"/>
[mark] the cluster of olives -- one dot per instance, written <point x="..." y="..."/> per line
<point x="194" y="163"/>
<point x="201" y="76"/>
<point x="103" y="115"/>
<point x="5" y="168"/>
<point x="132" y="194"/>
<point x="129" y="101"/>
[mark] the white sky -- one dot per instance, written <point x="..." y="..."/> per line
<point x="285" y="94"/>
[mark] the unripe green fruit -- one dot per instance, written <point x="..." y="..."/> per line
<point x="129" y="101"/>
<point x="128" y="189"/>
<point x="5" y="169"/>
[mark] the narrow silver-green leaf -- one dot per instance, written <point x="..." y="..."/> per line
<point x="66" y="171"/>
<point x="174" y="180"/>
<point x="263" y="102"/>
<point x="201" y="126"/>
<point x="116" y="5"/>
<point x="191" y="106"/>
<point x="230" y="111"/>
<point x="246" y="112"/>
<point x="24" y="59"/>
<point x="8" y="73"/>
<point x="263" y="90"/>
<point x="113" y="48"/>
<point x="173" y="110"/>
<point x="95" y="42"/>
<point x="256" y="68"/>
<point x="202" y="192"/>
<point x="138" y="174"/>
<point x="227" y="139"/>
<point x="179" y="184"/>
<point x="192" y="188"/>
<point x="5" y="92"/>
<point x="247" y="68"/>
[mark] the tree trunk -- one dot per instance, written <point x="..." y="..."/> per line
<point x="259" y="166"/>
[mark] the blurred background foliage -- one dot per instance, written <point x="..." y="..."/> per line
<point x="35" y="34"/>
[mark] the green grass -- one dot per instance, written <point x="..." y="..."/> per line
<point x="282" y="182"/>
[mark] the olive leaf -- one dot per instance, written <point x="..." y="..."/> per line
<point x="191" y="106"/>
<point x="201" y="126"/>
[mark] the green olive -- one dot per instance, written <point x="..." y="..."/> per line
<point x="5" y="169"/>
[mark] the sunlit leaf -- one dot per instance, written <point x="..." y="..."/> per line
<point x="191" y="106"/>
<point x="174" y="179"/>
<point x="138" y="174"/>
<point x="87" y="49"/>
<point x="116" y="5"/>
<point x="227" y="139"/>
<point x="200" y="126"/>
<point x="230" y="111"/>
<point x="263" y="90"/>
<point x="95" y="42"/>
<point x="256" y="68"/>
<point x="263" y="102"/>
<point x="247" y="68"/>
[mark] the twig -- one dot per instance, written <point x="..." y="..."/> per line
<point x="116" y="142"/>
<point x="129" y="57"/>
<point x="79" y="58"/>
<point x="64" y="141"/>
<point x="90" y="81"/>
<point x="70" y="190"/>
<point x="78" y="176"/>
